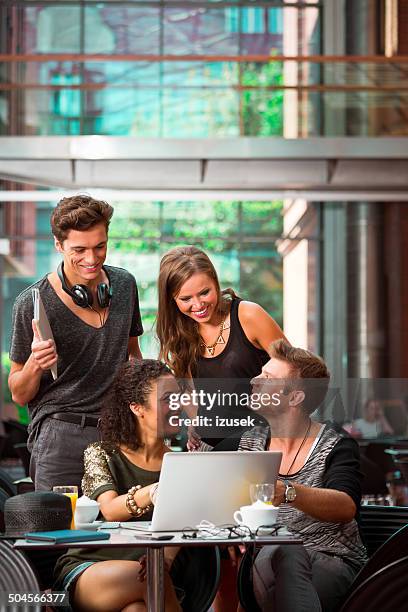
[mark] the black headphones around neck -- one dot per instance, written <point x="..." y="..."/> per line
<point x="82" y="295"/>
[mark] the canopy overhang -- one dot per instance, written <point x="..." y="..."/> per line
<point x="351" y="168"/>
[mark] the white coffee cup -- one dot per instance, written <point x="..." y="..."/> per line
<point x="256" y="515"/>
<point x="86" y="510"/>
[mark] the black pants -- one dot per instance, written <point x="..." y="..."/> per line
<point x="57" y="456"/>
<point x="295" y="579"/>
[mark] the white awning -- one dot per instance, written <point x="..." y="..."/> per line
<point x="180" y="169"/>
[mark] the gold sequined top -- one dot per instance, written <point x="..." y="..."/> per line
<point x="107" y="470"/>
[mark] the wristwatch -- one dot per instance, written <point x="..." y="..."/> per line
<point x="290" y="492"/>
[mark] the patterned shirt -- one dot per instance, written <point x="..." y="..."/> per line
<point x="339" y="539"/>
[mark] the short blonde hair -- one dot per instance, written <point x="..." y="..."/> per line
<point x="307" y="366"/>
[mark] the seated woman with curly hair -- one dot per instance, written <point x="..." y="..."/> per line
<point x="121" y="473"/>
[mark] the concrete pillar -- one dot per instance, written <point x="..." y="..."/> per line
<point x="365" y="271"/>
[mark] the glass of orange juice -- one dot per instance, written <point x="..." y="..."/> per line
<point x="70" y="491"/>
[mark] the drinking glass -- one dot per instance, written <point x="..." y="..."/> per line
<point x="263" y="492"/>
<point x="70" y="491"/>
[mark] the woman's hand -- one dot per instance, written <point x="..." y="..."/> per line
<point x="235" y="554"/>
<point x="153" y="492"/>
<point x="142" y="572"/>
<point x="170" y="554"/>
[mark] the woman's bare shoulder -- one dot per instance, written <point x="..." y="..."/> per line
<point x="250" y="310"/>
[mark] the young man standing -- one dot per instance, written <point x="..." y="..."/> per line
<point x="94" y="314"/>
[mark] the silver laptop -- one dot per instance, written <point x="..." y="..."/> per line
<point x="206" y="486"/>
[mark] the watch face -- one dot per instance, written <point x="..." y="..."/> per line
<point x="290" y="493"/>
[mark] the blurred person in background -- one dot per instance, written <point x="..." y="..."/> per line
<point x="372" y="424"/>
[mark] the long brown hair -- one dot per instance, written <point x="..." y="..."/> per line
<point x="177" y="333"/>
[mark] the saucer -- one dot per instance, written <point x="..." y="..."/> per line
<point x="93" y="525"/>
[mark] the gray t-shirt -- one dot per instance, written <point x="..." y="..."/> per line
<point x="88" y="357"/>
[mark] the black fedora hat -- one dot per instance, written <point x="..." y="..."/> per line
<point x="36" y="511"/>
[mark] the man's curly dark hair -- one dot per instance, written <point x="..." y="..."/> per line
<point x="132" y="384"/>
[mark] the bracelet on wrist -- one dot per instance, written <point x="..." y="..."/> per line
<point x="131" y="505"/>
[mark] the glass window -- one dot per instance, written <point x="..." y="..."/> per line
<point x="219" y="98"/>
<point x="198" y="31"/>
<point x="199" y="113"/>
<point x="43" y="31"/>
<point x="122" y="29"/>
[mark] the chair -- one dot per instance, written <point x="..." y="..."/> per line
<point x="17" y="575"/>
<point x="393" y="549"/>
<point x="374" y="481"/>
<point x="16" y="433"/>
<point x="3" y="496"/>
<point x="244" y="583"/>
<point x="384" y="530"/>
<point x="3" y="440"/>
<point x="43" y="562"/>
<point x="24" y="454"/>
<point x="378" y="523"/>
<point x="7" y="483"/>
<point x="24" y="485"/>
<point x="196" y="570"/>
<point x="386" y="590"/>
<point x="375" y="452"/>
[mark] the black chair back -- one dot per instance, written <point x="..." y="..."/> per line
<point x="16" y="576"/>
<point x="16" y="433"/>
<point x="7" y="483"/>
<point x="3" y="496"/>
<point x="244" y="583"/>
<point x="386" y="590"/>
<point x="196" y="570"/>
<point x="378" y="523"/>
<point x="384" y="530"/>
<point x="25" y="485"/>
<point x="25" y="456"/>
<point x="3" y="440"/>
<point x="393" y="549"/>
<point x="374" y="481"/>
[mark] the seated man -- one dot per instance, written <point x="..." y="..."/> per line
<point x="317" y="491"/>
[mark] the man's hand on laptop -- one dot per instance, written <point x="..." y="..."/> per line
<point x="194" y="440"/>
